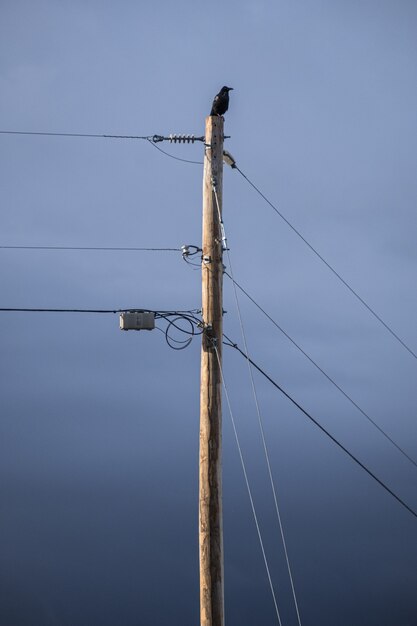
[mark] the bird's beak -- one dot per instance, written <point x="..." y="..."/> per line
<point x="230" y="88"/>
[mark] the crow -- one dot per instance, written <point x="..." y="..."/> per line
<point x="221" y="101"/>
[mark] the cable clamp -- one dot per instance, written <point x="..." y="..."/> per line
<point x="209" y="335"/>
<point x="206" y="259"/>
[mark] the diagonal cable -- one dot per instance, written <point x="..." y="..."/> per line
<point x="242" y="461"/>
<point x="260" y="422"/>
<point x="320" y="369"/>
<point x="330" y="267"/>
<point x="231" y="344"/>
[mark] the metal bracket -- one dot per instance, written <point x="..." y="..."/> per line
<point x="209" y="334"/>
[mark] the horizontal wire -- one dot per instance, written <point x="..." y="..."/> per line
<point x="330" y="267"/>
<point x="231" y="344"/>
<point x="121" y="248"/>
<point x="29" y="310"/>
<point x="47" y="134"/>
<point x="322" y="371"/>
<point x="192" y="313"/>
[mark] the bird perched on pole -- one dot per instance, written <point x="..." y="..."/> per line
<point x="221" y="101"/>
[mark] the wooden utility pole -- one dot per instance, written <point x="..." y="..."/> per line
<point x="210" y="484"/>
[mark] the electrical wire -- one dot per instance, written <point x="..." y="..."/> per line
<point x="178" y="344"/>
<point x="196" y="328"/>
<point x="106" y="248"/>
<point x="172" y="156"/>
<point x="47" y="134"/>
<point x="328" y="265"/>
<point x="266" y="452"/>
<point x="191" y="313"/>
<point x="191" y="251"/>
<point x="242" y="461"/>
<point x="185" y="139"/>
<point x="322" y="371"/>
<point x="150" y="140"/>
<point x="33" y="310"/>
<point x="258" y="411"/>
<point x="231" y="344"/>
<point x="170" y="317"/>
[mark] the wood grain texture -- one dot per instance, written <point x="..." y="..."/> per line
<point x="210" y="479"/>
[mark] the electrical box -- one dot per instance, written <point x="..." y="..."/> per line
<point x="137" y="320"/>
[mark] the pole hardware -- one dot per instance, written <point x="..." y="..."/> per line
<point x="189" y="250"/>
<point x="229" y="160"/>
<point x="210" y="336"/>
<point x="174" y="138"/>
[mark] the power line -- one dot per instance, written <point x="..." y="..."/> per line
<point x="230" y="343"/>
<point x="172" y="156"/>
<point x="33" y="310"/>
<point x="152" y="139"/>
<point x="322" y="371"/>
<point x="112" y="248"/>
<point x="258" y="411"/>
<point x="242" y="461"/>
<point x="48" y="134"/>
<point x="191" y="313"/>
<point x="330" y="267"/>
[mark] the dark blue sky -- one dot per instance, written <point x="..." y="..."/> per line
<point x="99" y="428"/>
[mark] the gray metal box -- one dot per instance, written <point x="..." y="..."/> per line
<point x="137" y="320"/>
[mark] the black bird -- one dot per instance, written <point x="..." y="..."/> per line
<point x="221" y="101"/>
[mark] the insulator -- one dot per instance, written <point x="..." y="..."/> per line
<point x="173" y="138"/>
<point x="228" y="159"/>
